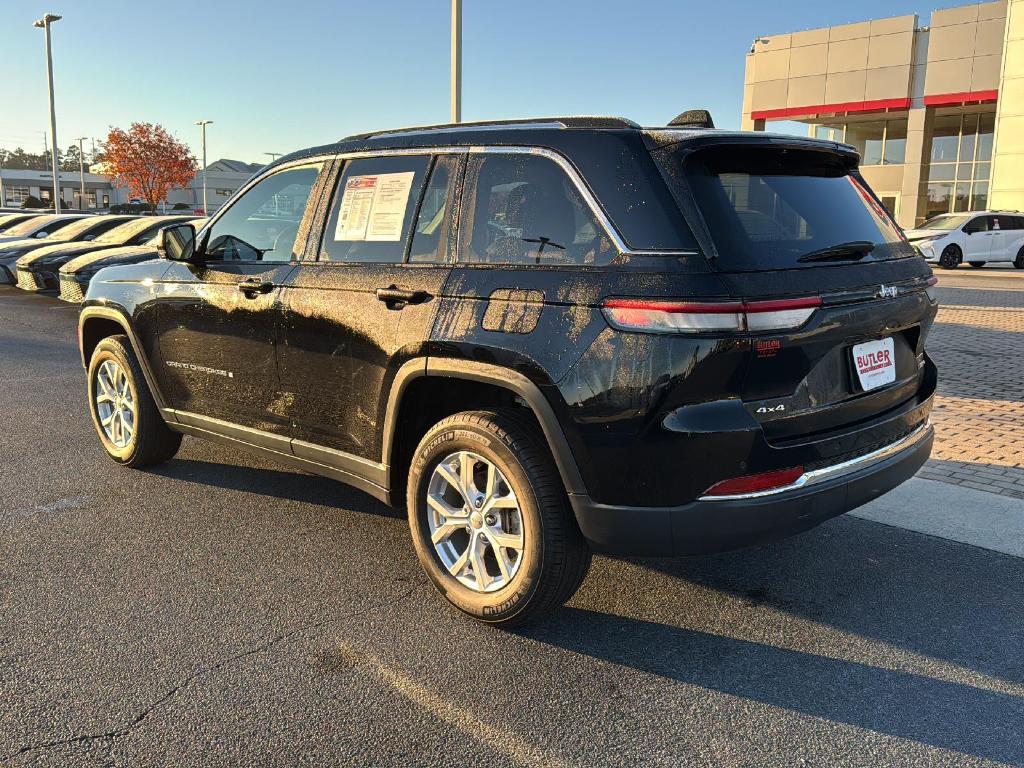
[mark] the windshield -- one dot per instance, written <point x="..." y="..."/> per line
<point x="122" y="234"/>
<point x="76" y="228"/>
<point x="197" y="224"/>
<point x="946" y="221"/>
<point x="771" y="207"/>
<point x="29" y="226"/>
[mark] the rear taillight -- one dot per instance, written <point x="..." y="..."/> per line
<point x="765" y="481"/>
<point x="694" y="317"/>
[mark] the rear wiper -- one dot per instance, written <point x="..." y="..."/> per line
<point x="855" y="249"/>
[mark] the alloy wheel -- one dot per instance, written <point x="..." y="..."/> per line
<point x="115" y="406"/>
<point x="475" y="523"/>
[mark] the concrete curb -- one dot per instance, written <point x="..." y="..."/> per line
<point x="952" y="512"/>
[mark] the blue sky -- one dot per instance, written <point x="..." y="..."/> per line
<point x="283" y="75"/>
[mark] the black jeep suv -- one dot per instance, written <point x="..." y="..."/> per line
<point x="544" y="338"/>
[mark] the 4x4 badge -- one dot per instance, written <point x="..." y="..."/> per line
<point x="772" y="408"/>
<point x="887" y="292"/>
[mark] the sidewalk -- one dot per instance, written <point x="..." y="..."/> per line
<point x="972" y="517"/>
<point x="978" y="344"/>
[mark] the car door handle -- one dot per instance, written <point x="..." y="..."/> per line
<point x="396" y="298"/>
<point x="253" y="288"/>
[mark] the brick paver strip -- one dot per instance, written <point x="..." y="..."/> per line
<point x="979" y="409"/>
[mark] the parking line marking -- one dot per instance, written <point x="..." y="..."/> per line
<point x="516" y="748"/>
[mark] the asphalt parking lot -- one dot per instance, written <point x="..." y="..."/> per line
<point x="224" y="611"/>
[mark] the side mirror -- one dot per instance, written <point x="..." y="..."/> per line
<point x="177" y="242"/>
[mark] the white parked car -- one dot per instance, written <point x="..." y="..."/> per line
<point x="977" y="238"/>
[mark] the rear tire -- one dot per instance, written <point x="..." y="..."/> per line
<point x="951" y="257"/>
<point x="976" y="264"/>
<point x="126" y="418"/>
<point x="510" y="492"/>
<point x="1019" y="261"/>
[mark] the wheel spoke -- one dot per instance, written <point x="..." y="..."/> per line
<point x="506" y="540"/>
<point x="504" y="564"/>
<point x="466" y="464"/>
<point x="460" y="562"/>
<point x="503" y="502"/>
<point x="483" y="578"/>
<point x="446" y="529"/>
<point x="103" y="379"/>
<point x="450" y="477"/>
<point x="110" y="417"/>
<point x="492" y="482"/>
<point x="445" y="511"/>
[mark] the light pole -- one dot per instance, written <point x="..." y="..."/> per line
<point x="81" y="171"/>
<point x="456" y="61"/>
<point x="44" y="24"/>
<point x="273" y="155"/>
<point x="202" y="124"/>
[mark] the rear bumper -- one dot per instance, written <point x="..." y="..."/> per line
<point x="706" y="525"/>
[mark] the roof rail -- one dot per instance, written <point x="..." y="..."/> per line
<point x="578" y="121"/>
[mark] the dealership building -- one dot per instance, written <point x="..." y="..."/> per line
<point x="936" y="110"/>
<point x="223" y="178"/>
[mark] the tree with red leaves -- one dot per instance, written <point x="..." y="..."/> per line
<point x="148" y="160"/>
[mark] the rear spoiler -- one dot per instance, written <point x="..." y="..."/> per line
<point x="691" y="140"/>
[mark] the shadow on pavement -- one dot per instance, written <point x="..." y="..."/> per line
<point x="939" y="598"/>
<point x="279" y="484"/>
<point x="946" y="715"/>
<point x="947" y="601"/>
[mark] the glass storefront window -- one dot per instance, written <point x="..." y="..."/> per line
<point x="961" y="151"/>
<point x="945" y="138"/>
<point x="986" y="128"/>
<point x="829" y="132"/>
<point x="867" y="138"/>
<point x="962" y="198"/>
<point x="942" y="172"/>
<point x="968" y="138"/>
<point x="979" y="200"/>
<point x="939" y="198"/>
<point x="895" y="142"/>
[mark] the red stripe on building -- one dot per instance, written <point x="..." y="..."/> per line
<point x="878" y="105"/>
<point x="955" y="99"/>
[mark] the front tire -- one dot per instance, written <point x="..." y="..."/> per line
<point x="1019" y="261"/>
<point x="126" y="418"/>
<point x="490" y="519"/>
<point x="951" y="257"/>
<point x="976" y="264"/>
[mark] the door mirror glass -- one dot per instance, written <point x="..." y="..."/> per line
<point x="177" y="242"/>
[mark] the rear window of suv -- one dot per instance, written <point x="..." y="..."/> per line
<point x="778" y="208"/>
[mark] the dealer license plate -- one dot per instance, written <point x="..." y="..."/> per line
<point x="875" y="362"/>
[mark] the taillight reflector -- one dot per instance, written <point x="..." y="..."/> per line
<point x="693" y="317"/>
<point x="764" y="481"/>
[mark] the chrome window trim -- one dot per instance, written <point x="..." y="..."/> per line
<point x="816" y="476"/>
<point x="558" y="158"/>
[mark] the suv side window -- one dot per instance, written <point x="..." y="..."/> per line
<point x="430" y="234"/>
<point x="525" y="210"/>
<point x="996" y="223"/>
<point x="976" y="225"/>
<point x="263" y="224"/>
<point x="372" y="210"/>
